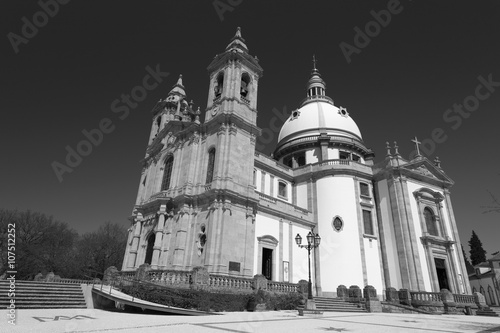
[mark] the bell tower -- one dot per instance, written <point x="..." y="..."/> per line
<point x="234" y="76"/>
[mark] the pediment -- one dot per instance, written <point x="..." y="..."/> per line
<point x="425" y="170"/>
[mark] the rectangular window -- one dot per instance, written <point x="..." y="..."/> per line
<point x="367" y="222"/>
<point x="282" y="192"/>
<point x="300" y="158"/>
<point x="364" y="189"/>
<point x="343" y="155"/>
<point x="355" y="158"/>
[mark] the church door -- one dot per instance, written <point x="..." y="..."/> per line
<point x="267" y="263"/>
<point x="149" y="249"/>
<point x="441" y="274"/>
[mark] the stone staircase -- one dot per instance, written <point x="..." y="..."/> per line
<point x="42" y="295"/>
<point x="492" y="311"/>
<point x="329" y="304"/>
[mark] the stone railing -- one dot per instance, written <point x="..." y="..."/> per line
<point x="128" y="275"/>
<point x="229" y="282"/>
<point x="199" y="278"/>
<point x="74" y="281"/>
<point x="282" y="287"/>
<point x="334" y="162"/>
<point x="244" y="100"/>
<point x="170" y="277"/>
<point x="464" y="299"/>
<point x="422" y="297"/>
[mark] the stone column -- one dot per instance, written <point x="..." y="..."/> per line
<point x="158" y="240"/>
<point x="323" y="142"/>
<point x="135" y="243"/>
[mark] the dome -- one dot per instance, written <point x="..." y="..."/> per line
<point x="316" y="117"/>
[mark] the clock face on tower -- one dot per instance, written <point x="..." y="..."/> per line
<point x="215" y="110"/>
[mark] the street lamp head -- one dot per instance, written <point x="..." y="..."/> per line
<point x="317" y="240"/>
<point x="298" y="239"/>
<point x="310" y="238"/>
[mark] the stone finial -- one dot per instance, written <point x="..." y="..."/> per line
<point x="396" y="149"/>
<point x="342" y="292"/>
<point x="405" y="296"/>
<point x="392" y="295"/>
<point x="369" y="292"/>
<point x="437" y="162"/>
<point x="355" y="294"/>
<point x="388" y="147"/>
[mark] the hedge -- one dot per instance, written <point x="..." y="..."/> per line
<point x="203" y="300"/>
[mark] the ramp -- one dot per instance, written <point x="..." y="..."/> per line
<point x="115" y="295"/>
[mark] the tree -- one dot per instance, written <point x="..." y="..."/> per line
<point x="468" y="266"/>
<point x="42" y="243"/>
<point x="101" y="249"/>
<point x="477" y="253"/>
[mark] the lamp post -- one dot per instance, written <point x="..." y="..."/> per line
<point x="312" y="242"/>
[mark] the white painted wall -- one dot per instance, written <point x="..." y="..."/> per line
<point x="373" y="264"/>
<point x="340" y="254"/>
<point x="299" y="262"/>
<point x="266" y="226"/>
<point x="313" y="155"/>
<point x="267" y="186"/>
<point x="333" y="154"/>
<point x="301" y="195"/>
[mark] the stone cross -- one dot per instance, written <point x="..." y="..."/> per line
<point x="417" y="143"/>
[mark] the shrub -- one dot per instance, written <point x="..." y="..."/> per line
<point x="212" y="301"/>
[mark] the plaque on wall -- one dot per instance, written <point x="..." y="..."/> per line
<point x="234" y="266"/>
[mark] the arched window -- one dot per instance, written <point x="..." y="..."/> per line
<point x="481" y="290"/>
<point x="167" y="173"/>
<point x="202" y="239"/>
<point x="149" y="249"/>
<point x="158" y="124"/>
<point x="474" y="290"/>
<point x="219" y="85"/>
<point x="430" y="222"/>
<point x="211" y="164"/>
<point x="245" y="85"/>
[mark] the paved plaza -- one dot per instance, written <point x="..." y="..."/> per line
<point x="88" y="320"/>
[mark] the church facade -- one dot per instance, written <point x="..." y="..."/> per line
<point x="208" y="198"/>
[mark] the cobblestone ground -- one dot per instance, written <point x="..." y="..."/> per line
<point x="87" y="320"/>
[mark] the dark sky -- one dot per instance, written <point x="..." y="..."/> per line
<point x="399" y="85"/>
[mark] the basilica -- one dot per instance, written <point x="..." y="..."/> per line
<point x="207" y="198"/>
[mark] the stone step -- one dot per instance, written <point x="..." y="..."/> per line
<point x="44" y="298"/>
<point x="50" y="306"/>
<point x="42" y="295"/>
<point x="487" y="312"/>
<point x="327" y="304"/>
<point x="6" y="284"/>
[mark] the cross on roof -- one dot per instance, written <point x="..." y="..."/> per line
<point x="417" y="143"/>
